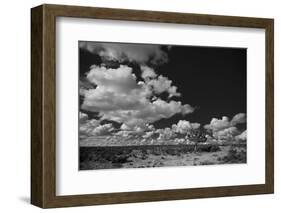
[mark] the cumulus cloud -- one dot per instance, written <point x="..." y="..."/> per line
<point x="125" y="127"/>
<point x="177" y="131"/>
<point x="225" y="129"/>
<point x="165" y="134"/>
<point x="93" y="127"/>
<point x="242" y="136"/>
<point x="122" y="133"/>
<point x="226" y="134"/>
<point x="238" y="119"/>
<point x="139" y="128"/>
<point x="119" y="80"/>
<point x="102" y="99"/>
<point x="105" y="129"/>
<point x="184" y="127"/>
<point x="148" y="134"/>
<point x="136" y="132"/>
<point x="163" y="84"/>
<point x="116" y="89"/>
<point x="86" y="127"/>
<point x="220" y="124"/>
<point x="141" y="54"/>
<point x="119" y="97"/>
<point x="158" y="84"/>
<point x="117" y="94"/>
<point x="83" y="117"/>
<point x="147" y="72"/>
<point x="147" y="113"/>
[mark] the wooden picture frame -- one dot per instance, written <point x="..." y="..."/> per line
<point x="43" y="105"/>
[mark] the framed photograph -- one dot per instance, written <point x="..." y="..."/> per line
<point x="136" y="106"/>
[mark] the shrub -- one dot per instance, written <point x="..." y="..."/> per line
<point x="235" y="155"/>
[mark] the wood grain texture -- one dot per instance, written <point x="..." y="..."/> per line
<point x="36" y="106"/>
<point x="43" y="105"/>
<point x="269" y="118"/>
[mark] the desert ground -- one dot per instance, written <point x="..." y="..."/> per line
<point x="144" y="156"/>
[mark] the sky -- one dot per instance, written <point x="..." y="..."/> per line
<point x="144" y="89"/>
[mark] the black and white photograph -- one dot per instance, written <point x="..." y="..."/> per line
<point x="161" y="105"/>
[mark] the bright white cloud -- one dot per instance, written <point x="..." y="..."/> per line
<point x="125" y="127"/>
<point x="238" y="119"/>
<point x="116" y="89"/>
<point x="116" y="94"/>
<point x="160" y="83"/>
<point x="122" y="133"/>
<point x="225" y="129"/>
<point x="220" y="124"/>
<point x="163" y="84"/>
<point x="103" y="99"/>
<point x="119" y="80"/>
<point x="136" y="133"/>
<point x="127" y="52"/>
<point x="184" y="126"/>
<point x="147" y="113"/>
<point x="83" y="117"/>
<point x="165" y="134"/>
<point x="139" y="128"/>
<point x="147" y="72"/>
<point x="119" y="97"/>
<point x="148" y="134"/>
<point x="181" y="141"/>
<point x="242" y="136"/>
<point x="105" y="129"/>
<point x="87" y="126"/>
<point x="226" y="134"/>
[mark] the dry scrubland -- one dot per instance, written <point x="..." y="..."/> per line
<point x="143" y="156"/>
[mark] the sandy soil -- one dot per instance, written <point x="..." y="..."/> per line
<point x="159" y="156"/>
